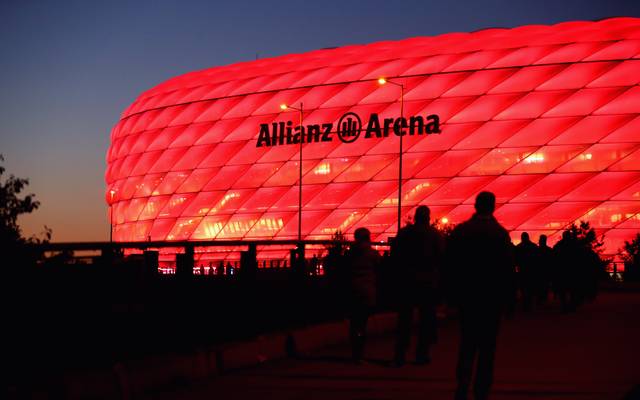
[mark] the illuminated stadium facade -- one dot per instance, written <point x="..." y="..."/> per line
<point x="546" y="117"/>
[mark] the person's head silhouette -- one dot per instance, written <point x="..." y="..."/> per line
<point x="485" y="203"/>
<point x="524" y="236"/>
<point x="422" y="215"/>
<point x="362" y="236"/>
<point x="566" y="235"/>
<point x="543" y="240"/>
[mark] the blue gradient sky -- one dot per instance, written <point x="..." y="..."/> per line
<point x="67" y="70"/>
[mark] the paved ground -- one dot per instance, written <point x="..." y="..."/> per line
<point x="592" y="354"/>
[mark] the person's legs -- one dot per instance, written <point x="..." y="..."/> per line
<point x="357" y="331"/>
<point x="487" y="337"/>
<point x="427" y="328"/>
<point x="466" y="354"/>
<point x="403" y="332"/>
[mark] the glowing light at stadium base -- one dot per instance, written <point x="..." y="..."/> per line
<point x="546" y="117"/>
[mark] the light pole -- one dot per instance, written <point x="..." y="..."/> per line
<point x="111" y="193"/>
<point x="383" y="81"/>
<point x="301" y="140"/>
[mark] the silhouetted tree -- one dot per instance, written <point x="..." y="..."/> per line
<point x="333" y="264"/>
<point x="589" y="262"/>
<point x="631" y="255"/>
<point x="12" y="205"/>
<point x="586" y="236"/>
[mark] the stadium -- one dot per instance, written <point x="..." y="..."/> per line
<point x="546" y="117"/>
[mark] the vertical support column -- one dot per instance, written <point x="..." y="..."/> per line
<point x="248" y="262"/>
<point x="151" y="262"/>
<point x="298" y="265"/>
<point x="184" y="262"/>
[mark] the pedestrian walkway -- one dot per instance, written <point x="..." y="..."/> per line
<point x="592" y="354"/>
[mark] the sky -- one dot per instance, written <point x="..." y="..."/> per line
<point x="69" y="68"/>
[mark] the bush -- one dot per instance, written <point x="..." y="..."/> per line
<point x="631" y="255"/>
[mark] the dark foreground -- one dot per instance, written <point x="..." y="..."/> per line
<point x="591" y="354"/>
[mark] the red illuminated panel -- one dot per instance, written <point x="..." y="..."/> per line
<point x="590" y="129"/>
<point x="551" y="187"/>
<point x="269" y="225"/>
<point x="411" y="164"/>
<point x="629" y="163"/>
<point x="377" y="220"/>
<point x="533" y="104"/>
<point x="546" y="117"/>
<point x="311" y="220"/>
<point x="598" y="157"/>
<point x="414" y="192"/>
<point x="491" y="134"/>
<point x="575" y="76"/>
<point x="603" y="186"/>
<point x="623" y="74"/>
<point x="557" y="215"/>
<point x="455" y="133"/>
<point x="450" y="163"/>
<point x="512" y="215"/>
<point x="457" y="190"/>
<point x="632" y="223"/>
<point x="506" y="187"/>
<point x="435" y="86"/>
<point x="611" y="214"/>
<point x="338" y="220"/>
<point x="539" y="132"/>
<point x="365" y="168"/>
<point x="527" y="79"/>
<point x="497" y="161"/>
<point x="546" y="159"/>
<point x="289" y="200"/>
<point x="370" y="194"/>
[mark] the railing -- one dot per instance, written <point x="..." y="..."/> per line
<point x="206" y="257"/>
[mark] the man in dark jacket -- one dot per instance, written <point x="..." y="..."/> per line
<point x="480" y="258"/>
<point x="417" y="254"/>
<point x="361" y="262"/>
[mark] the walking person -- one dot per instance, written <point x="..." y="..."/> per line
<point x="566" y="256"/>
<point x="528" y="270"/>
<point x="545" y="268"/>
<point x="416" y="253"/>
<point x="361" y="262"/>
<point x="480" y="259"/>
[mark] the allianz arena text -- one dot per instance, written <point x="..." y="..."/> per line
<point x="546" y="117"/>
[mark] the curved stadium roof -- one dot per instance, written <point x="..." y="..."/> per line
<point x="546" y="117"/>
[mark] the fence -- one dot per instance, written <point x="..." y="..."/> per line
<point x="210" y="258"/>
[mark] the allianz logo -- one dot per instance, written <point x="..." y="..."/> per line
<point x="348" y="129"/>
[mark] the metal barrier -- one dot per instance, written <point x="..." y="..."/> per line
<point x="208" y="257"/>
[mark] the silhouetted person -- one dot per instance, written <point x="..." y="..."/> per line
<point x="480" y="258"/>
<point x="416" y="253"/>
<point x="545" y="268"/>
<point x="361" y="262"/>
<point x="566" y="255"/>
<point x="527" y="260"/>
